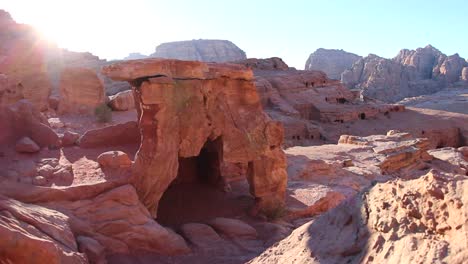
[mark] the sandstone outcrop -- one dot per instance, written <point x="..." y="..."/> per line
<point x="22" y="120"/>
<point x="303" y="99"/>
<point x="26" y="145"/>
<point x="81" y="91"/>
<point x="197" y="113"/>
<point x="273" y="63"/>
<point x="332" y="62"/>
<point x="122" y="101"/>
<point x="411" y="73"/>
<point x="22" y="63"/>
<point x="115" y="135"/>
<point x="407" y="194"/>
<point x="200" y="50"/>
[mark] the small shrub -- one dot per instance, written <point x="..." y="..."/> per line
<point x="274" y="213"/>
<point x="103" y="113"/>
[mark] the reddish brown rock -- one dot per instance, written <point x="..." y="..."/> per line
<point x="299" y="99"/>
<point x="115" y="135"/>
<point x="81" y="91"/>
<point x="26" y="145"/>
<point x="233" y="228"/>
<point x="273" y="63"/>
<point x="21" y="120"/>
<point x="22" y="51"/>
<point x="32" y="234"/>
<point x="69" y="138"/>
<point x="122" y="101"/>
<point x="391" y="222"/>
<point x="210" y="111"/>
<point x="114" y="159"/>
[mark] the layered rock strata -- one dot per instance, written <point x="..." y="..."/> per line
<point x="207" y="114"/>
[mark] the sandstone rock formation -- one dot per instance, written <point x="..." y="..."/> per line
<point x="302" y="100"/>
<point x="451" y="100"/>
<point x="274" y="63"/>
<point x="411" y="73"/>
<point x="200" y="50"/>
<point x="332" y="62"/>
<point x="22" y="120"/>
<point x="126" y="133"/>
<point x="417" y="206"/>
<point x="205" y="114"/>
<point x="81" y="91"/>
<point x="122" y="101"/>
<point x="22" y="63"/>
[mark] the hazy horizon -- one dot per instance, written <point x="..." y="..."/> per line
<point x="292" y="30"/>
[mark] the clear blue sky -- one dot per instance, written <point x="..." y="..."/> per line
<point x="288" y="29"/>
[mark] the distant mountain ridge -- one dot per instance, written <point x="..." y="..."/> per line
<point x="411" y="73"/>
<point x="208" y="50"/>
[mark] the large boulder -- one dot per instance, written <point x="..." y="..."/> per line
<point x="22" y="120"/>
<point x="122" y="101"/>
<point x="81" y="91"/>
<point x="200" y="50"/>
<point x="115" y="135"/>
<point x="212" y="111"/>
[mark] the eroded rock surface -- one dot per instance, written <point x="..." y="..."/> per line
<point x="331" y="62"/>
<point x="200" y="50"/>
<point x="411" y="73"/>
<point x="210" y="112"/>
<point x="392" y="222"/>
<point x="81" y="91"/>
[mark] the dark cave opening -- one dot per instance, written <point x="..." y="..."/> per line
<point x="197" y="194"/>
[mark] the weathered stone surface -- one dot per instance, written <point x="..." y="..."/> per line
<point x="296" y="98"/>
<point x="22" y="51"/>
<point x="33" y="234"/>
<point x="331" y="62"/>
<point x="127" y="227"/>
<point x="69" y="138"/>
<point x="200" y="50"/>
<point x="26" y="145"/>
<point x="114" y="159"/>
<point x="115" y="135"/>
<point x="451" y="100"/>
<point x="391" y="222"/>
<point x="233" y="228"/>
<point x="22" y="120"/>
<point x="206" y="110"/>
<point x="81" y="91"/>
<point x="136" y="69"/>
<point x="464" y="76"/>
<point x="273" y="63"/>
<point x="94" y="251"/>
<point x="411" y="73"/>
<point x="122" y="101"/>
<point x="201" y="235"/>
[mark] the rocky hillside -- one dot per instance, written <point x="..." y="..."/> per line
<point x="331" y="61"/>
<point x="200" y="50"/>
<point x="411" y="73"/>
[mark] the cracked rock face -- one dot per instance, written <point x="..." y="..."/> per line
<point x="203" y="113"/>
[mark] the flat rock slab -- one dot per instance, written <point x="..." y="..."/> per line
<point x="233" y="228"/>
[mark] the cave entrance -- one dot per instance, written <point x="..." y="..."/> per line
<point x="198" y="192"/>
<point x="362" y="116"/>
